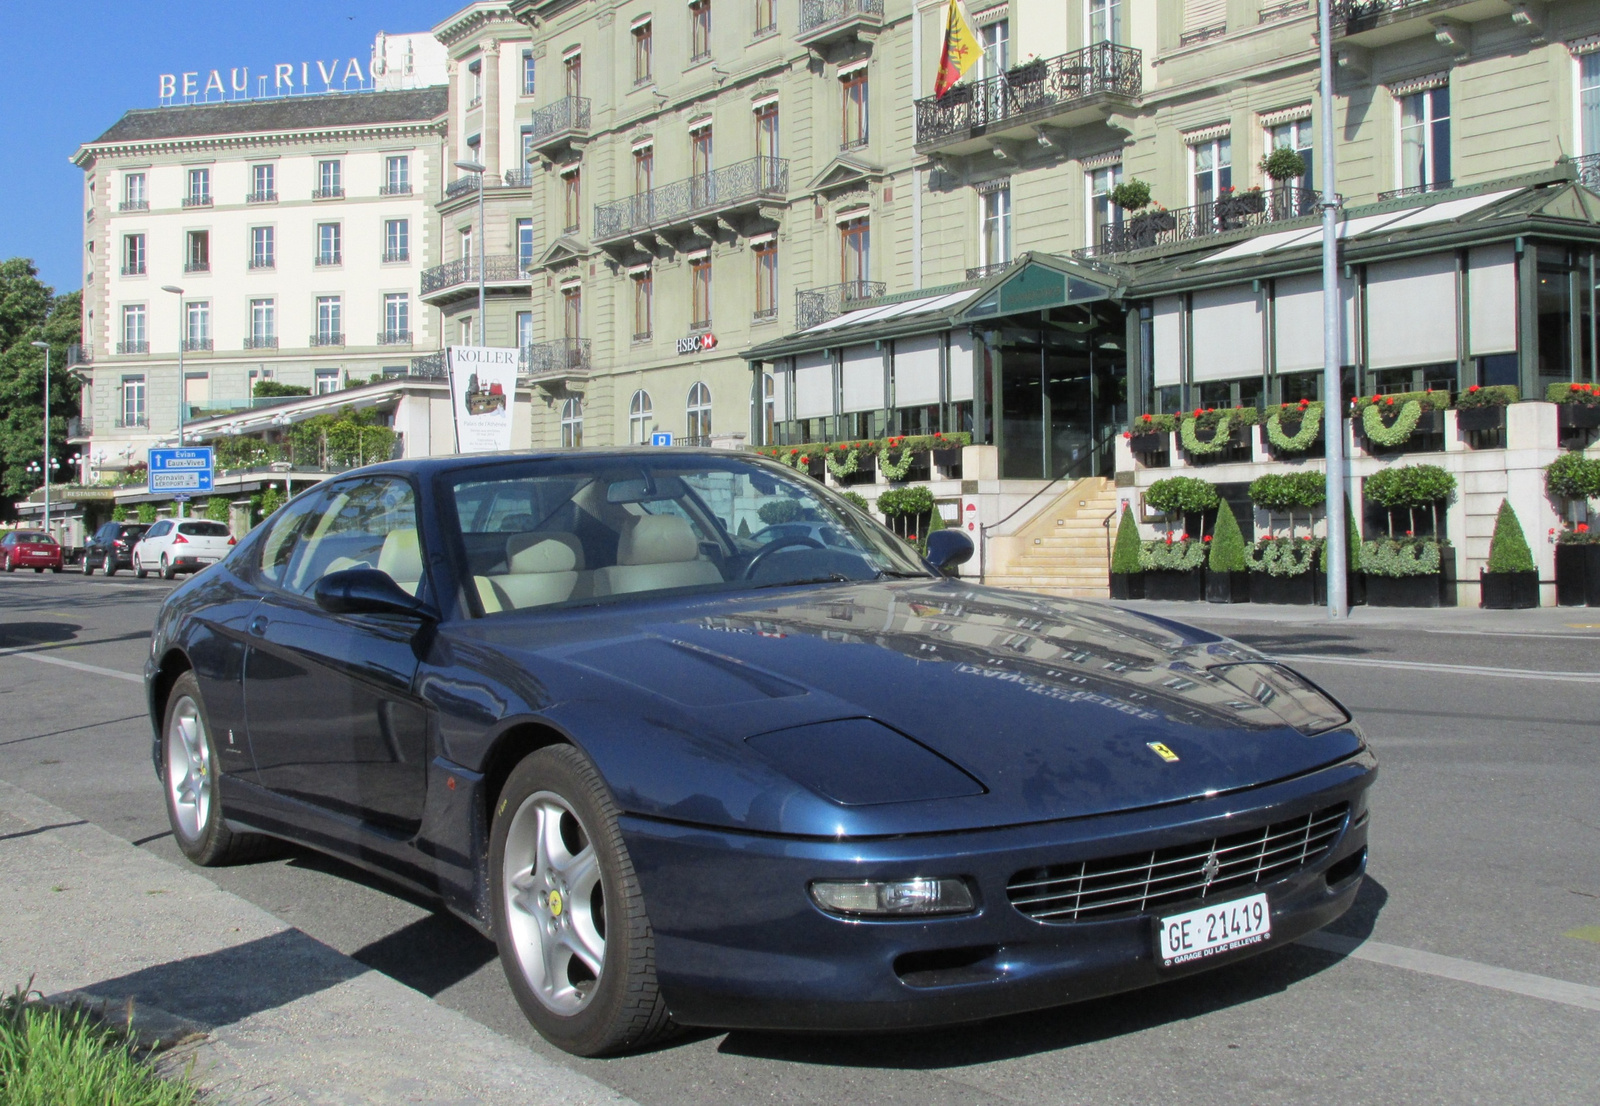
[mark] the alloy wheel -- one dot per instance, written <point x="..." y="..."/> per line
<point x="555" y="902"/>
<point x="189" y="777"/>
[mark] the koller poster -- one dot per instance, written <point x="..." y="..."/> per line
<point x="483" y="383"/>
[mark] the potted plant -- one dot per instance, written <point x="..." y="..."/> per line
<point x="1355" y="584"/>
<point x="1127" y="575"/>
<point x="1280" y="569"/>
<point x="1573" y="479"/>
<point x="1173" y="565"/>
<point x="1511" y="582"/>
<point x="1207" y="433"/>
<point x="1392" y="421"/>
<point x="1578" y="405"/>
<point x="1028" y="72"/>
<point x="1403" y="572"/>
<point x="1284" y="167"/>
<point x="1150" y="433"/>
<point x="1484" y="408"/>
<point x="1232" y="206"/>
<point x="1284" y="493"/>
<point x="1293" y="429"/>
<point x="1227" y="578"/>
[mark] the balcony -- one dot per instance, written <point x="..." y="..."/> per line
<point x="825" y="22"/>
<point x="326" y="338"/>
<point x="79" y="355"/>
<point x="1371" y="23"/>
<point x="80" y="428"/>
<point x="519" y="178"/>
<point x="461" y="186"/>
<point x="459" y="279"/>
<point x="1085" y="86"/>
<point x="261" y="341"/>
<point x="984" y="272"/>
<point x="430" y="366"/>
<point x="334" y="193"/>
<point x="403" y="189"/>
<point x="1288" y="10"/>
<point x="1236" y="211"/>
<point x="267" y="197"/>
<point x="1415" y="190"/>
<point x="198" y="199"/>
<point x="134" y="205"/>
<point x="1201" y="34"/>
<point x="818" y="305"/>
<point x="560" y="125"/>
<point x="135" y="421"/>
<point x="394" y="337"/>
<point x="744" y="185"/>
<point x="195" y="345"/>
<point x="140" y="346"/>
<point x="1588" y="167"/>
<point x="555" y="361"/>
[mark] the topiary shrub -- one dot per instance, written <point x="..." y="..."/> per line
<point x="1573" y="476"/>
<point x="1227" y="543"/>
<point x="1186" y="494"/>
<point x="775" y="512"/>
<point x="1352" y="542"/>
<point x="855" y="499"/>
<point x="119" y="513"/>
<point x="1125" y="554"/>
<point x="898" y="502"/>
<point x="273" y="388"/>
<point x="1508" y="549"/>
<point x="1130" y="195"/>
<point x="1283" y="164"/>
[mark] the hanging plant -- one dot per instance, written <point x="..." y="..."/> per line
<point x="896" y="470"/>
<point x="1283" y="556"/>
<point x="1192" y="442"/>
<point x="845" y="466"/>
<point x="1379" y="434"/>
<point x="1301" y="439"/>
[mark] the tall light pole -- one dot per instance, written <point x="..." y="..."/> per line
<point x="478" y="169"/>
<point x="182" y="383"/>
<point x="46" y="347"/>
<point x="1332" y="393"/>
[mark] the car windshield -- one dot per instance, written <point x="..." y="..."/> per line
<point x="588" y="529"/>
<point x="203" y="529"/>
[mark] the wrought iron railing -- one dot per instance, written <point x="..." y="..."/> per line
<point x="128" y="422"/>
<point x="195" y="345"/>
<point x="334" y="193"/>
<point x="430" y="366"/>
<point x="818" y="305"/>
<point x="133" y="347"/>
<point x="261" y="341"/>
<point x="741" y="182"/>
<point x="1200" y="34"/>
<point x="817" y="14"/>
<point x="559" y="357"/>
<point x="327" y="338"/>
<point x="519" y="178"/>
<point x="79" y="355"/>
<point x="984" y="272"/>
<point x="1284" y="11"/>
<point x="461" y="185"/>
<point x="1415" y="190"/>
<point x="266" y="197"/>
<point x="394" y="337"/>
<point x="201" y="199"/>
<point x="1029" y="92"/>
<point x="570" y="113"/>
<point x="1588" y="170"/>
<point x="334" y="258"/>
<point x="1355" y="11"/>
<point x="263" y="263"/>
<point x="497" y="268"/>
<point x="136" y="269"/>
<point x="80" y="426"/>
<point x="1237" y="211"/>
<point x="134" y="205"/>
<point x="395" y="189"/>
<point x="197" y="266"/>
<point x="390" y="256"/>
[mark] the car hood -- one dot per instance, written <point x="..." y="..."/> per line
<point x="901" y="707"/>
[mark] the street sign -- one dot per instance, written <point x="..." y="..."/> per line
<point x="661" y="437"/>
<point x="180" y="470"/>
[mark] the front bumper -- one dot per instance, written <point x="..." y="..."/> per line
<point x="740" y="945"/>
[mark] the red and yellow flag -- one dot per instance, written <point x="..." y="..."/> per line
<point x="961" y="50"/>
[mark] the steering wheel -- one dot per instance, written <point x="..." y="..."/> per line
<point x="773" y="546"/>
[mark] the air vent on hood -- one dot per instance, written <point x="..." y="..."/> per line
<point x="859" y="762"/>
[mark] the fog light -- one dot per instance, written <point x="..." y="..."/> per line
<point x="892" y="898"/>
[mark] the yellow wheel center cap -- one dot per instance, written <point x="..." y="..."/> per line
<point x="555" y="904"/>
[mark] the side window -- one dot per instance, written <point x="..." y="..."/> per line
<point x="278" y="549"/>
<point x="365" y="524"/>
<point x="157" y="530"/>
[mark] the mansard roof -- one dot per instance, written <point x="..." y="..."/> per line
<point x="286" y="113"/>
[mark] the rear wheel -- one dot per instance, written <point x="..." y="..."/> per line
<point x="569" y="915"/>
<point x="8" y="565"/>
<point x="189" y="770"/>
<point x="55" y="568"/>
<point x="138" y="567"/>
<point x="111" y="564"/>
<point x="168" y="570"/>
<point x="88" y="565"/>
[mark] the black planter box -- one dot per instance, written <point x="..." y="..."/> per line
<point x="817" y="468"/>
<point x="1423" y="439"/>
<point x="1148" y="443"/>
<point x="1127" y="585"/>
<point x="1480" y="418"/>
<point x="1578" y="416"/>
<point x="1355" y="587"/>
<point x="1180" y="587"/>
<point x="1578" y="575"/>
<point x="1298" y="590"/>
<point x="1404" y="591"/>
<point x="1227" y="587"/>
<point x="947" y="458"/>
<point x="1508" y="591"/>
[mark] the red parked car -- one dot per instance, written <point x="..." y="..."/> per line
<point x="29" y="549"/>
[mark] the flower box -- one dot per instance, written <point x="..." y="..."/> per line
<point x="1027" y="73"/>
<point x="1127" y="585"/>
<point x="947" y="458"/>
<point x="1227" y="587"/>
<point x="1577" y="574"/>
<point x="1578" y="416"/>
<point x="1281" y="590"/>
<point x="1480" y="418"/>
<point x="1239" y="204"/>
<point x="1179" y="587"/>
<point x="1429" y="427"/>
<point x="816" y="468"/>
<point x="1405" y="591"/>
<point x="1148" y="443"/>
<point x="1508" y="591"/>
<point x="1317" y="447"/>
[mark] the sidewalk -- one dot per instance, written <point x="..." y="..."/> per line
<point x="285" y="1017"/>
<point x="1467" y="620"/>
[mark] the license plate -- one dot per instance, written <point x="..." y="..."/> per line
<point x="1212" y="930"/>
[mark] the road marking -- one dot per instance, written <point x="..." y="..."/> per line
<point x="79" y="666"/>
<point x="1585" y="933"/>
<point x="1449" y="669"/>
<point x="1463" y="971"/>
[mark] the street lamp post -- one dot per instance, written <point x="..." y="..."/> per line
<point x="479" y="170"/>
<point x="1332" y="393"/>
<point x="46" y="347"/>
<point x="176" y="291"/>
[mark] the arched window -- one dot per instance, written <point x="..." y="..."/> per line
<point x="572" y="423"/>
<point x="699" y="414"/>
<point x="640" y="414"/>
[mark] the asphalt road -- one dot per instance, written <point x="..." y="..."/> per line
<point x="1485" y="863"/>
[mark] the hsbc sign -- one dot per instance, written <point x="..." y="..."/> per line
<point x="697" y="343"/>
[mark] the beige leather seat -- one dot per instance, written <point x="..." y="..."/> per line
<point x="542" y="571"/>
<point x="401" y="558"/>
<point x="654" y="553"/>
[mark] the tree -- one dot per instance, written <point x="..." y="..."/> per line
<point x="1125" y="554"/>
<point x="1508" y="549"/>
<point x="31" y="312"/>
<point x="1227" y="543"/>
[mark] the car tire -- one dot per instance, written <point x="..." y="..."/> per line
<point x="168" y="571"/>
<point x="38" y="570"/>
<point x="55" y="568"/>
<point x="190" y="779"/>
<point x="88" y="565"/>
<point x="546" y="907"/>
<point x="138" y="567"/>
<point x="9" y="566"/>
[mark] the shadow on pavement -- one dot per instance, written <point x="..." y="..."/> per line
<point x="1068" y="1026"/>
<point x="429" y="955"/>
<point x="20" y="635"/>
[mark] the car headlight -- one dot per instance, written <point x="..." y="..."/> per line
<point x="868" y="898"/>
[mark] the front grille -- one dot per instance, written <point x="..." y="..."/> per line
<point x="1135" y="882"/>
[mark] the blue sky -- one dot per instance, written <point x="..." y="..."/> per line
<point x="74" y="66"/>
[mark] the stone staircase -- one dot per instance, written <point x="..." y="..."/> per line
<point x="1062" y="548"/>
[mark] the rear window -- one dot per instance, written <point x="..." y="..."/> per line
<point x="132" y="531"/>
<point x="203" y="529"/>
<point x="35" y="539"/>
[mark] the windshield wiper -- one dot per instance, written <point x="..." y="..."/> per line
<point x="830" y="578"/>
<point x="896" y="574"/>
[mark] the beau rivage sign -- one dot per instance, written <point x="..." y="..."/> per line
<point x="286" y="79"/>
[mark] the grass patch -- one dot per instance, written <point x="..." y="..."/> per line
<point x="54" y="1057"/>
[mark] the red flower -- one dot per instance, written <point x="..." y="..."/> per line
<point x="911" y="537"/>
<point x="1198" y="412"/>
<point x="1474" y="388"/>
<point x="1126" y="435"/>
<point x="1184" y="536"/>
<point x="1306" y="537"/>
<point x="1552" y="529"/>
<point x="1583" y="527"/>
<point x="936" y="434"/>
<point x="1206" y="538"/>
<point x="1408" y="533"/>
<point x="1147" y="418"/>
<point x="1305" y="403"/>
<point x="1389" y="402"/>
<point x="792" y="452"/>
<point x="1374" y="397"/>
<point x="1211" y="410"/>
<point x="1169" y="537"/>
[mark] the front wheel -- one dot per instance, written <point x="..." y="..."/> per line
<point x="168" y="570"/>
<point x="569" y="915"/>
<point x="88" y="565"/>
<point x="9" y="566"/>
<point x="111" y="564"/>
<point x="138" y="567"/>
<point x="55" y="568"/>
<point x="190" y="773"/>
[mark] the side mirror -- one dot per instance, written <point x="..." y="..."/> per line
<point x="368" y="591"/>
<point x="949" y="548"/>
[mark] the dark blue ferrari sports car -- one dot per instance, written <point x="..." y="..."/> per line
<point x="697" y="742"/>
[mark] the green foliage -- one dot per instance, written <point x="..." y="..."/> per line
<point x="1227" y="543"/>
<point x="1292" y="427"/>
<point x="1125" y="554"/>
<point x="271" y="499"/>
<point x="1573" y="476"/>
<point x="1188" y="494"/>
<point x="119" y="513"/>
<point x="775" y="512"/>
<point x="1283" y="556"/>
<point x="935" y="522"/>
<point x="147" y="513"/>
<point x="1287" y="491"/>
<point x="340" y="440"/>
<point x="217" y="509"/>
<point x="1131" y="195"/>
<point x="1508" y="549"/>
<point x="744" y="529"/>
<point x="1584" y="395"/>
<point x="271" y="388"/>
<point x="1410" y="486"/>
<point x="50" y="1056"/>
<point x="901" y="502"/>
<point x="1352" y="542"/>
<point x="1283" y="164"/>
<point x="1171" y="556"/>
<point x="1405" y="409"/>
<point x="31" y="312"/>
<point x="1397" y="557"/>
<point x="245" y="452"/>
<point x="1153" y="424"/>
<point x="855" y="499"/>
<point x="1494" y="395"/>
<point x="899" y="445"/>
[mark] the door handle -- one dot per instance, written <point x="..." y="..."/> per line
<point x="258" y="625"/>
